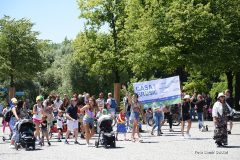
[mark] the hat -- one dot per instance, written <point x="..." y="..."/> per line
<point x="73" y="99"/>
<point x="39" y="98"/>
<point x="220" y="95"/>
<point x="186" y="97"/>
<point x="14" y="101"/>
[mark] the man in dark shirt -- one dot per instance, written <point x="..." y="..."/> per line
<point x="200" y="104"/>
<point x="186" y="115"/>
<point x="230" y="101"/>
<point x="72" y="120"/>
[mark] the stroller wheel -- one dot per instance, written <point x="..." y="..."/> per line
<point x="106" y="146"/>
<point x="96" y="144"/>
<point x="113" y="145"/>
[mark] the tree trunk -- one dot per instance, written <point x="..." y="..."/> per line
<point x="237" y="91"/>
<point x="117" y="87"/>
<point x="12" y="90"/>
<point x="229" y="75"/>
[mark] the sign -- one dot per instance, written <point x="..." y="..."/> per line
<point x="163" y="92"/>
<point x="19" y="94"/>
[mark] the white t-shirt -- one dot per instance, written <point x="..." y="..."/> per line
<point x="60" y="121"/>
<point x="58" y="104"/>
<point x="218" y="108"/>
<point x="38" y="115"/>
<point x="100" y="102"/>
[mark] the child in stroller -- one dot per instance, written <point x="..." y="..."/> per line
<point x="26" y="139"/>
<point x="106" y="135"/>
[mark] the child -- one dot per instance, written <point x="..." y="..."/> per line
<point x="60" y="121"/>
<point x="5" y="124"/>
<point x="121" y="126"/>
<point x="44" y="129"/>
<point x="210" y="113"/>
<point x="101" y="112"/>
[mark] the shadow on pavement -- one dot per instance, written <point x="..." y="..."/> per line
<point x="231" y="146"/>
<point x="149" y="142"/>
<point x="199" y="138"/>
<point x="168" y="135"/>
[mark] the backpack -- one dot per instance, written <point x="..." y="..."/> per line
<point x="7" y="116"/>
<point x="113" y="103"/>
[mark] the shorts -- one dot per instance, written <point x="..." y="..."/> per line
<point x="88" y="121"/>
<point x="186" y="117"/>
<point x="44" y="130"/>
<point x="112" y="111"/>
<point x="71" y="125"/>
<point x="36" y="121"/>
<point x="230" y="118"/>
<point x="135" y="116"/>
<point x="121" y="128"/>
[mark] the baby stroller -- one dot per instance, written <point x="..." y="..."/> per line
<point x="106" y="135"/>
<point x="26" y="138"/>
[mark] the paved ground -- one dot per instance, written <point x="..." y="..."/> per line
<point x="170" y="146"/>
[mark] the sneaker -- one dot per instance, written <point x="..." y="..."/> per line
<point x="229" y="132"/>
<point x="171" y="130"/>
<point x="88" y="145"/>
<point x="188" y="135"/>
<point x="82" y="136"/>
<point x="12" y="146"/>
<point x="159" y="134"/>
<point x="49" y="143"/>
<point x="152" y="133"/>
<point x="59" y="140"/>
<point x="76" y="142"/>
<point x="66" y="142"/>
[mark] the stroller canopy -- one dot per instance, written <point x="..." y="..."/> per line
<point x="25" y="124"/>
<point x="105" y="123"/>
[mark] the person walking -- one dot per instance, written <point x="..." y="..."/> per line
<point x="127" y="108"/>
<point x="219" y="114"/>
<point x="88" y="119"/>
<point x="135" y="115"/>
<point x="37" y="116"/>
<point x="72" y="120"/>
<point x="200" y="105"/>
<point x="230" y="101"/>
<point x="158" y="117"/>
<point x="15" y="108"/>
<point x="186" y="106"/>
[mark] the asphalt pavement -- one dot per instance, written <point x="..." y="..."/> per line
<point x="170" y="146"/>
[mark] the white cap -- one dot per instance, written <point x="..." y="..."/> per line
<point x="186" y="97"/>
<point x="220" y="95"/>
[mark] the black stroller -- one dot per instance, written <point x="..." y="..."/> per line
<point x="26" y="138"/>
<point x="106" y="135"/>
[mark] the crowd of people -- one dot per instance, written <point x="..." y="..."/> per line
<point x="78" y="114"/>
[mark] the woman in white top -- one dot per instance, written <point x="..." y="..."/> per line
<point x="219" y="114"/>
<point x="37" y="116"/>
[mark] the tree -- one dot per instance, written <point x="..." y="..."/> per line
<point x="20" y="49"/>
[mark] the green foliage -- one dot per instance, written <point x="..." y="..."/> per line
<point x="20" y="49"/>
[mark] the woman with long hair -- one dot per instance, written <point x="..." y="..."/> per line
<point x="88" y="118"/>
<point x="136" y="110"/>
<point x="37" y="116"/>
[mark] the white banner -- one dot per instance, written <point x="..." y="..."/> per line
<point x="163" y="91"/>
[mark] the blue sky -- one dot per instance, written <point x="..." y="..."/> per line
<point x="54" y="19"/>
